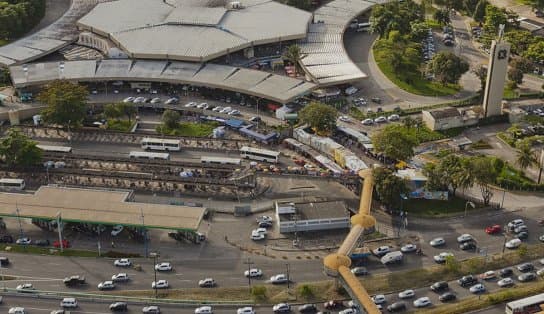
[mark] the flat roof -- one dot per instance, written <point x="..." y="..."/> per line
<point x="325" y="58"/>
<point x="278" y="88"/>
<point x="49" y="39"/>
<point x="110" y="207"/>
<point x="194" y="30"/>
<point x="317" y="210"/>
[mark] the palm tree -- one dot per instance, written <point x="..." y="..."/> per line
<point x="526" y="156"/>
<point x="294" y="55"/>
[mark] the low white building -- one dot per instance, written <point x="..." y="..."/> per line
<point x="312" y="216"/>
<point x="448" y="118"/>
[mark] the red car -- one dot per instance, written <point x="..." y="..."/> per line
<point x="493" y="229"/>
<point x="65" y="244"/>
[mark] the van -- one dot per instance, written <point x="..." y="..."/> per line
<point x="392" y="257"/>
<point x="68" y="302"/>
<point x="4" y="261"/>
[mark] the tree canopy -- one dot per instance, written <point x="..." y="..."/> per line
<point x="170" y="119"/>
<point x="320" y="117"/>
<point x="394" y="142"/>
<point x="118" y="110"/>
<point x="447" y="67"/>
<point x="389" y="187"/>
<point x="394" y="16"/>
<point x="485" y="171"/>
<point x="65" y="103"/>
<point x="17" y="149"/>
<point x="293" y="54"/>
<point x="19" y="16"/>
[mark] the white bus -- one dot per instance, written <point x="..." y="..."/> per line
<point x="147" y="155"/>
<point x="525" y="306"/>
<point x="259" y="154"/>
<point x="220" y="160"/>
<point x="12" y="184"/>
<point x="53" y="148"/>
<point x="160" y="144"/>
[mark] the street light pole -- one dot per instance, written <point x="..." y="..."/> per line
<point x="154" y="255"/>
<point x="288" y="278"/>
<point x="504" y="244"/>
<point x="61" y="245"/>
<point x="466" y="207"/>
<point x="249" y="263"/>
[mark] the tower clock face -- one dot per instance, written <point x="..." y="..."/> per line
<point x="502" y="54"/>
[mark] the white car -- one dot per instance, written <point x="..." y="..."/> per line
<point x="437" y="242"/>
<point x="226" y="110"/>
<point x="277" y="279"/>
<point x="441" y="258"/>
<point x="477" y="288"/>
<point x="17" y="310"/>
<point x="257" y="236"/>
<point x="171" y="101"/>
<point x="381" y="119"/>
<point x="245" y="310"/>
<point x="464" y="238"/>
<point x="378" y="299"/>
<point x="348" y="311"/>
<point x="513" y="244"/>
<point x="160" y="284"/>
<point x="367" y="122"/>
<point x="344" y="119"/>
<point x="506" y="282"/>
<point x="116" y="230"/>
<point x="253" y="272"/>
<point x="138" y="100"/>
<point x="152" y="309"/>
<point x="123" y="262"/>
<point x="381" y="251"/>
<point x="281" y="308"/>
<point x="234" y="113"/>
<point x="408" y="248"/>
<point x="407" y="294"/>
<point x="207" y="283"/>
<point x="23" y="241"/>
<point x="128" y="99"/>
<point x="120" y="277"/>
<point x="164" y="266"/>
<point x="25" y="287"/>
<point x="106" y="285"/>
<point x="217" y="109"/>
<point x="515" y="223"/>
<point x="422" y="302"/>
<point x="393" y="117"/>
<point x="190" y="104"/>
<point x="261" y="230"/>
<point x="204" y="310"/>
<point x="155" y="100"/>
<point x="202" y="106"/>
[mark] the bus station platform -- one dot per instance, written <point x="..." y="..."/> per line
<point x="98" y="206"/>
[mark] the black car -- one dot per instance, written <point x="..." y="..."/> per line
<point x="506" y="272"/>
<point x="4" y="261"/>
<point x="448" y="296"/>
<point x="467" y="246"/>
<point x="522" y="235"/>
<point x="307" y="308"/>
<point x="397" y="307"/>
<point x="42" y="242"/>
<point x="6" y="238"/>
<point x="118" y="307"/>
<point x="265" y="224"/>
<point x="526" y="267"/>
<point x="527" y="277"/>
<point x="439" y="286"/>
<point x="467" y="281"/>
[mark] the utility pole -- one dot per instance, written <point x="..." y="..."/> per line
<point x="288" y="278"/>
<point x="21" y="233"/>
<point x="249" y="263"/>
<point x="61" y="245"/>
<point x="145" y="232"/>
<point x="155" y="255"/>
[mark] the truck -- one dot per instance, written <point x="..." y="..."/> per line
<point x="359" y="255"/>
<point x="75" y="280"/>
<point x="392" y="258"/>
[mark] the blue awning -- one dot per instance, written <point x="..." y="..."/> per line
<point x="234" y="123"/>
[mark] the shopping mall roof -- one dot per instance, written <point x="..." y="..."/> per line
<point x="325" y="58"/>
<point x="110" y="207"/>
<point x="194" y="30"/>
<point x="273" y="87"/>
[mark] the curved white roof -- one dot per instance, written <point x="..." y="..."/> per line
<point x="190" y="30"/>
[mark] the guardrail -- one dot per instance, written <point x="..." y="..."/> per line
<point x="91" y="297"/>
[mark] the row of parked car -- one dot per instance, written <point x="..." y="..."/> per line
<point x="381" y="119"/>
<point x="220" y="109"/>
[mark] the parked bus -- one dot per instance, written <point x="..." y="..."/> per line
<point x="147" y="155"/>
<point x="56" y="149"/>
<point x="220" y="160"/>
<point x="363" y="27"/>
<point x="259" y="154"/>
<point x="12" y="184"/>
<point x="525" y="306"/>
<point x="160" y="144"/>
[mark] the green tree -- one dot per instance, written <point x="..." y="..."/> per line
<point x="17" y="149"/>
<point x="4" y="77"/>
<point x="525" y="155"/>
<point x="170" y="119"/>
<point x="447" y="67"/>
<point x="442" y="16"/>
<point x="392" y="16"/>
<point x="485" y="173"/>
<point x="435" y="178"/>
<point x="111" y="111"/>
<point x="395" y="142"/>
<point x="320" y="117"/>
<point x="519" y="40"/>
<point x="452" y="265"/>
<point x="65" y="103"/>
<point x="293" y="54"/>
<point x="389" y="187"/>
<point x="305" y="291"/>
<point x="515" y="76"/>
<point x="481" y="73"/>
<point x="478" y="11"/>
<point x="419" y="31"/>
<point x="127" y="109"/>
<point x="535" y="51"/>
<point x="258" y="292"/>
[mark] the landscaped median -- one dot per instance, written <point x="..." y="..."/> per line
<point x="41" y="250"/>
